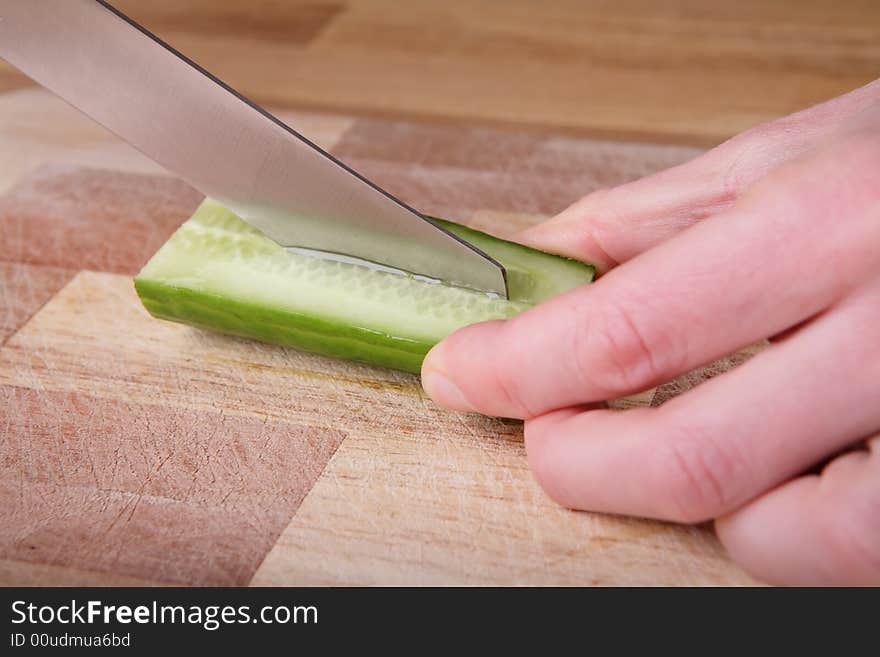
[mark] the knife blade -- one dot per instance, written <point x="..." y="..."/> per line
<point x="175" y="112"/>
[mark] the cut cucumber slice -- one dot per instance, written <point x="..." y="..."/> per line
<point x="220" y="273"/>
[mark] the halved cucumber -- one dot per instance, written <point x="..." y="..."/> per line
<point x="220" y="273"/>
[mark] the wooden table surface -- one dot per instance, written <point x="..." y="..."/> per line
<point x="142" y="452"/>
<point x="692" y="71"/>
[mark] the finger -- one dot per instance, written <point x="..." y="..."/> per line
<point x="610" y="226"/>
<point x="721" y="444"/>
<point x="817" y="530"/>
<point x="734" y="279"/>
<point x="614" y="225"/>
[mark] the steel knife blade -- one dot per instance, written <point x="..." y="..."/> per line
<point x="172" y="110"/>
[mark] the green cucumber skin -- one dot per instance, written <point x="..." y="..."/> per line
<point x="533" y="277"/>
<point x="287" y="329"/>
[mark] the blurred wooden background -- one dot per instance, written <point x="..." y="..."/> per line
<point x="685" y="71"/>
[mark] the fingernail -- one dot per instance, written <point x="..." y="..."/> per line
<point x="443" y="391"/>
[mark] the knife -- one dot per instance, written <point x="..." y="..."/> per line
<point x="175" y="112"/>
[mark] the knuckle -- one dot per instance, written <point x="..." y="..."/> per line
<point x="619" y="352"/>
<point x="695" y="472"/>
<point x="737" y="164"/>
<point x="747" y="157"/>
<point x="841" y="175"/>
<point x="596" y="219"/>
<point x="507" y="380"/>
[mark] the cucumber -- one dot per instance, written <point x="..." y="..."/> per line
<point x="220" y="273"/>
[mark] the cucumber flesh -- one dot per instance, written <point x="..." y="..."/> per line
<point x="220" y="273"/>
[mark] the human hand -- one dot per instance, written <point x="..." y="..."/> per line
<point x="774" y="234"/>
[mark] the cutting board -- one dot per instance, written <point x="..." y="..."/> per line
<point x="135" y="451"/>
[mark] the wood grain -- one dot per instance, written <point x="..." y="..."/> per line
<point x="456" y="504"/>
<point x="140" y="451"/>
<point x="77" y="218"/>
<point x="23" y="290"/>
<point x="692" y="71"/>
<point x="110" y="485"/>
<point x="25" y="573"/>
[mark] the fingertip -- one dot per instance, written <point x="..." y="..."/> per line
<point x="542" y="454"/>
<point x="443" y="391"/>
<point x="566" y="237"/>
<point x="454" y="362"/>
<point x="549" y="446"/>
<point x="761" y="537"/>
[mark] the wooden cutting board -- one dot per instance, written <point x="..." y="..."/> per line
<point x="134" y="451"/>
